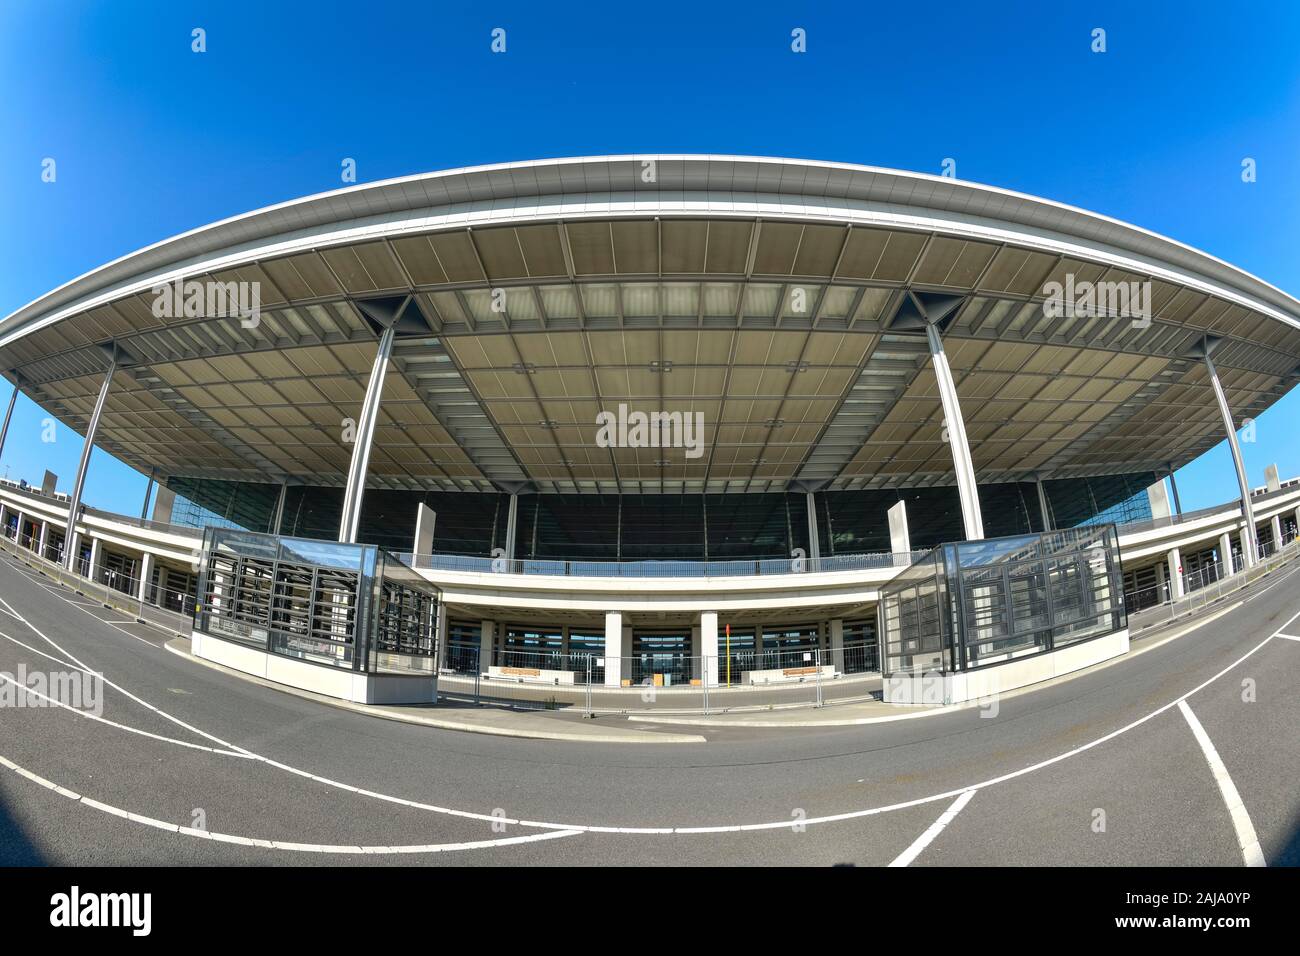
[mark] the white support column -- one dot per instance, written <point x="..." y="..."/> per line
<point x="18" y="531"/>
<point x="441" y="636"/>
<point x="900" y="537"/>
<point x="277" y="520"/>
<point x="512" y="527"/>
<point x="1175" y="566"/>
<point x="486" y="641"/>
<point x="1249" y="546"/>
<point x="45" y="538"/>
<point x="614" y="649"/>
<point x="1225" y="555"/>
<point x="837" y="644"/>
<point x="1158" y="499"/>
<point x="148" y="494"/>
<point x="1173" y="486"/>
<point x="972" y="519"/>
<point x="365" y="434"/>
<point x="78" y="485"/>
<point x="1043" y="507"/>
<point x="814" y="539"/>
<point x="146" y="574"/>
<point x="709" y="646"/>
<point x="9" y="414"/>
<point x="422" y="546"/>
<point x="1275" y="523"/>
<point x="92" y="571"/>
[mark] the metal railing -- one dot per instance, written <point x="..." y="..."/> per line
<point x="165" y="607"/>
<point x="662" y="569"/>
<point x="1211" y="590"/>
<point x="144" y="523"/>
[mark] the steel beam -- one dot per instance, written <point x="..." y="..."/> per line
<point x="356" y="484"/>
<point x="972" y="519"/>
<point x="70" y="542"/>
<point x="1249" y="545"/>
<point x="9" y="414"/>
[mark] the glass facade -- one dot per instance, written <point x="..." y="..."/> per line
<point x="692" y="527"/>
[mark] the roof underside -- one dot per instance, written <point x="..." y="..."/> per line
<point x="776" y="331"/>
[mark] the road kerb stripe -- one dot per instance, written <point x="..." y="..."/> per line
<point x="1247" y="840"/>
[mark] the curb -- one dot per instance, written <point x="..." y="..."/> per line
<point x="442" y="723"/>
<point x="936" y="711"/>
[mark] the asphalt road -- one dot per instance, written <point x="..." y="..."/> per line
<point x="1105" y="769"/>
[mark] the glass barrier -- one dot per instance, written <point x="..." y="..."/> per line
<point x="350" y="606"/>
<point x="978" y="603"/>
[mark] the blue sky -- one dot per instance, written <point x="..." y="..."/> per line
<point x="151" y="139"/>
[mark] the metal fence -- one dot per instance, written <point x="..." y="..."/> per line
<point x="1212" y="590"/>
<point x="167" y="608"/>
<point x="652" y="682"/>
<point x="661" y="569"/>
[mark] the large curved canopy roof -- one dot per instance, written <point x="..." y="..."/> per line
<point x="758" y="292"/>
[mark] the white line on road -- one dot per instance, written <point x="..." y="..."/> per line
<point x="925" y="839"/>
<point x="276" y="844"/>
<point x="726" y="828"/>
<point x="1251" y="852"/>
<point x="1289" y="637"/>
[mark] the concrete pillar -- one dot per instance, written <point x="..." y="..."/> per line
<point x="1276" y="523"/>
<point x="837" y="643"/>
<point x="1225" y="554"/>
<point x="18" y="531"/>
<point x="900" y="538"/>
<point x="45" y="538"/>
<point x="355" y="489"/>
<point x="616" y="648"/>
<point x="1175" y="565"/>
<point x="486" y="641"/>
<point x="422" y="547"/>
<point x="93" y="571"/>
<point x="1271" y="480"/>
<point x="163" y="501"/>
<point x="146" y="574"/>
<point x="1158" y="498"/>
<point x="1248" y="541"/>
<point x="709" y="646"/>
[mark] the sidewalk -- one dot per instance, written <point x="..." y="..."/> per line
<point x="535" y="725"/>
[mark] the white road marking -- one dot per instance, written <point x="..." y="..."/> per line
<point x="1248" y="842"/>
<point x="925" y="839"/>
<point x="112" y="723"/>
<point x="276" y="844"/>
<point x="1289" y="637"/>
<point x="731" y="828"/>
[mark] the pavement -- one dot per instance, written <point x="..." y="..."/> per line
<point x="1185" y="754"/>
<point x="465" y="717"/>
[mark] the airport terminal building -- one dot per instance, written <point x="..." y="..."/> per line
<point x="620" y="406"/>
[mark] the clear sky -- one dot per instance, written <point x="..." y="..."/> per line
<point x="151" y="139"/>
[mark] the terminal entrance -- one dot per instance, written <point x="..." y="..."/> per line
<point x="662" y="658"/>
